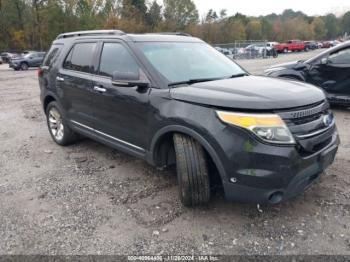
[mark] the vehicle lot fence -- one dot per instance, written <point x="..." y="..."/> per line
<point x="249" y="49"/>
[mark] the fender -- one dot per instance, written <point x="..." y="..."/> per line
<point x="190" y="132"/>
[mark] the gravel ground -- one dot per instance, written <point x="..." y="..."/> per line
<point x="91" y="199"/>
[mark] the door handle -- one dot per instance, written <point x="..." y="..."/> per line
<point x="100" y="89"/>
<point x="60" y="79"/>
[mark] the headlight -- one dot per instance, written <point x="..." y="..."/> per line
<point x="270" y="128"/>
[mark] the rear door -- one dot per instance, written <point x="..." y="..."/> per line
<point x="121" y="113"/>
<point x="74" y="83"/>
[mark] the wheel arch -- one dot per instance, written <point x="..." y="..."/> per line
<point x="165" y="134"/>
<point x="48" y="98"/>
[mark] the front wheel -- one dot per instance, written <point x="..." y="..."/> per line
<point x="58" y="128"/>
<point x="192" y="171"/>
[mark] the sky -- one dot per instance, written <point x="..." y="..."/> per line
<point x="264" y="7"/>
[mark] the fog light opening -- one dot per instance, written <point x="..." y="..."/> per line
<point x="276" y="197"/>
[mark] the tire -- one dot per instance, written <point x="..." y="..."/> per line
<point x="24" y="66"/>
<point x="192" y="171"/>
<point x="57" y="125"/>
<point x="285" y="50"/>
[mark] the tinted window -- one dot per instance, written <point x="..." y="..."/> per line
<point x="80" y="57"/>
<point x="341" y="57"/>
<point x="115" y="57"/>
<point x="52" y="55"/>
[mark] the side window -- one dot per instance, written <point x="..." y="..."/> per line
<point x="52" y="55"/>
<point x="80" y="57"/>
<point x="115" y="57"/>
<point x="341" y="57"/>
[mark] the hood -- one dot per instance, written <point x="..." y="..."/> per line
<point x="250" y="92"/>
<point x="286" y="65"/>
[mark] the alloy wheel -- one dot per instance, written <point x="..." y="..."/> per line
<point x="55" y="124"/>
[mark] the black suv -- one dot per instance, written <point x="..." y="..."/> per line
<point x="172" y="99"/>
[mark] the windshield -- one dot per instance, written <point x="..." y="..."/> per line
<point x="179" y="62"/>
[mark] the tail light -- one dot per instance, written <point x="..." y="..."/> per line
<point x="40" y="72"/>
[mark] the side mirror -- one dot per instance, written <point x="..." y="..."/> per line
<point x="324" y="61"/>
<point x="128" y="79"/>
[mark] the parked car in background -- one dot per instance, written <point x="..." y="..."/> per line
<point x="291" y="45"/>
<point x="6" y="56"/>
<point x="31" y="59"/>
<point x="311" y="45"/>
<point x="173" y="100"/>
<point x="260" y="50"/>
<point x="329" y="70"/>
<point x="326" y="44"/>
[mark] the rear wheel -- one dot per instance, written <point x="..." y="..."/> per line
<point x="58" y="128"/>
<point x="24" y="66"/>
<point x="192" y="171"/>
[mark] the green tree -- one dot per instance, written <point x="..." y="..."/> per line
<point x="266" y="29"/>
<point x="154" y="15"/>
<point x="331" y="26"/>
<point x="253" y="30"/>
<point x="179" y="14"/>
<point x="345" y="23"/>
<point x="318" y="27"/>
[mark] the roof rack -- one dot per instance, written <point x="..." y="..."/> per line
<point x="90" y="33"/>
<point x="170" y="33"/>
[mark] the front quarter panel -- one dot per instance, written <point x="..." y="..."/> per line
<point x="222" y="142"/>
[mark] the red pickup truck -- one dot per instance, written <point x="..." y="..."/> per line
<point x="291" y="45"/>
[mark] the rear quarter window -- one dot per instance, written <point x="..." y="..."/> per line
<point x="52" y="55"/>
<point x="80" y="57"/>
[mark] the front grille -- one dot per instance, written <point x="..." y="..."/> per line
<point x="307" y="119"/>
<point x="308" y="126"/>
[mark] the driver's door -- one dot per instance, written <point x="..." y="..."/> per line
<point x="120" y="112"/>
<point x="333" y="73"/>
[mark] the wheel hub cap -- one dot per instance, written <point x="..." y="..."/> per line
<point x="55" y="124"/>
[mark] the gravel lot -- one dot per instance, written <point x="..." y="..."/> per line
<point x="91" y="199"/>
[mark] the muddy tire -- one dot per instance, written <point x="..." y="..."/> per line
<point x="58" y="127"/>
<point x="192" y="171"/>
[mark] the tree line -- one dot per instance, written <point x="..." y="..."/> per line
<point x="33" y="24"/>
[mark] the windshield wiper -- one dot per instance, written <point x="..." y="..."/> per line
<point x="239" y="75"/>
<point x="193" y="81"/>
